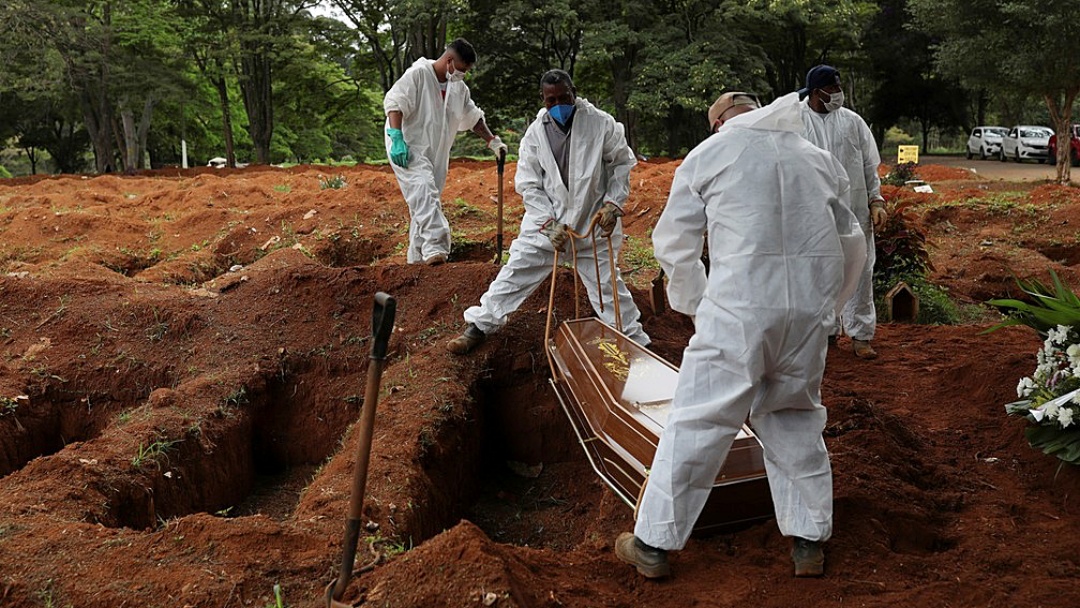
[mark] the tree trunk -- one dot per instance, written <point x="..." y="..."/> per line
<point x="621" y="78"/>
<point x="98" y="127"/>
<point x="31" y="155"/>
<point x="255" y="86"/>
<point x="130" y="137"/>
<point x="121" y="143"/>
<point x="144" y="130"/>
<point x="1061" y="116"/>
<point x="226" y="120"/>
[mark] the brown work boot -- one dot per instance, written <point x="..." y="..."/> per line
<point x="435" y="260"/>
<point x="470" y="339"/>
<point x="863" y="350"/>
<point x="649" y="561"/>
<point x="808" y="557"/>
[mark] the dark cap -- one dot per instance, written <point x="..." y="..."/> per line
<point x="819" y="77"/>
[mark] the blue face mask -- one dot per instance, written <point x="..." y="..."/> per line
<point x="561" y="113"/>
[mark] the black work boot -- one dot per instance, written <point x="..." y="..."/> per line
<point x="808" y="557"/>
<point x="467" y="341"/>
<point x="649" y="561"/>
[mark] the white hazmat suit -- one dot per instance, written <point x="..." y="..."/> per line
<point x="599" y="167"/>
<point x="779" y="237"/>
<point x="844" y="134"/>
<point x="429" y="124"/>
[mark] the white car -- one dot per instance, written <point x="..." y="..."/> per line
<point x="985" y="141"/>
<point x="1026" y="142"/>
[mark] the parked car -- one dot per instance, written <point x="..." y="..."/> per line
<point x="985" y="141"/>
<point x="1074" y="152"/>
<point x="1024" y="142"/>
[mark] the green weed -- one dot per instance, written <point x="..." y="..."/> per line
<point x="152" y="452"/>
<point x="156" y="332"/>
<point x="462" y="208"/>
<point x="336" y="182"/>
<point x="9" y="405"/>
<point x="233" y="400"/>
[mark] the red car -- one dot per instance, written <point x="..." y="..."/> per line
<point x="1074" y="153"/>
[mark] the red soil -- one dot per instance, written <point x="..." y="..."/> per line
<point x="187" y="437"/>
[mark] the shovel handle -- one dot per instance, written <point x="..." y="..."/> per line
<point x="501" y="164"/>
<point x="382" y="324"/>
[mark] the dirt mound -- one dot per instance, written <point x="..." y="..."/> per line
<point x="184" y="358"/>
<point x="930" y="172"/>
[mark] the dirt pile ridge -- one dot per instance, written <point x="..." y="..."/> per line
<point x="184" y="359"/>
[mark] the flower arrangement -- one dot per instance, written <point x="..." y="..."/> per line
<point x="1050" y="397"/>
<point x="900" y="174"/>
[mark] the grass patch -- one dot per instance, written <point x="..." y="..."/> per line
<point x="459" y="208"/>
<point x="336" y="182"/>
<point x="153" y="452"/>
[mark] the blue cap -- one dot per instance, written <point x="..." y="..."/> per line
<point x="819" y="77"/>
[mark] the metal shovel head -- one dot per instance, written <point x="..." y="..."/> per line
<point x="656" y="294"/>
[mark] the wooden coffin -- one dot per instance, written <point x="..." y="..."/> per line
<point x="617" y="396"/>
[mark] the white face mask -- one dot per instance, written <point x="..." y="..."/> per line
<point x="453" y="75"/>
<point x="836" y="101"/>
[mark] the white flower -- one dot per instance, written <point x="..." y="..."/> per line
<point x="1026" y="387"/>
<point x="1052" y="410"/>
<point x="1065" y="417"/>
<point x="1073" y="353"/>
<point x="1058" y="335"/>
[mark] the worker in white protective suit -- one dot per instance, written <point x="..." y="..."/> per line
<point x="782" y="244"/>
<point x="573" y="165"/>
<point x="425" y="109"/>
<point x="832" y="127"/>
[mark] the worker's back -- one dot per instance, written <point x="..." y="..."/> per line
<point x="769" y="198"/>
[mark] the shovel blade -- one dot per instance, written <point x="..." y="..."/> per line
<point x="656" y="295"/>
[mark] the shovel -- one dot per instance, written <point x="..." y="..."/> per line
<point x="501" y="163"/>
<point x="382" y="323"/>
<point x="656" y="294"/>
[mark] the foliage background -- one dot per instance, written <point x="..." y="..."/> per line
<point x="109" y="85"/>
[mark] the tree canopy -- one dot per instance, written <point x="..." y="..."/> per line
<point x="114" y="85"/>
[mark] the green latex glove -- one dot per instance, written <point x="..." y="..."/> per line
<point x="399" y="150"/>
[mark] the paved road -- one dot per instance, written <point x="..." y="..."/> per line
<point x="995" y="169"/>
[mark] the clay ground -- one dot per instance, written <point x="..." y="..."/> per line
<point x="184" y="357"/>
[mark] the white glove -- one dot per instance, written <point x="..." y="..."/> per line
<point x="497" y="146"/>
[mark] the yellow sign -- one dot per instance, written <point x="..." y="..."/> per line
<point x="907" y="154"/>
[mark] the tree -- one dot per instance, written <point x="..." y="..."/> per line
<point x="517" y="41"/>
<point x="398" y="32"/>
<point x="691" y="54"/>
<point x="1023" y="46"/>
<point x="115" y="57"/>
<point x="796" y="35"/>
<point x="902" y="66"/>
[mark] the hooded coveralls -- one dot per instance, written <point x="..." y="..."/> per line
<point x="779" y="236"/>
<point x="845" y="135"/>
<point x="429" y="124"/>
<point x="599" y="167"/>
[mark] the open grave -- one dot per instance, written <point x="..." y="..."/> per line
<point x="186" y="433"/>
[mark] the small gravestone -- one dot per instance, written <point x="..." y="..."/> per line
<point x="901" y="304"/>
